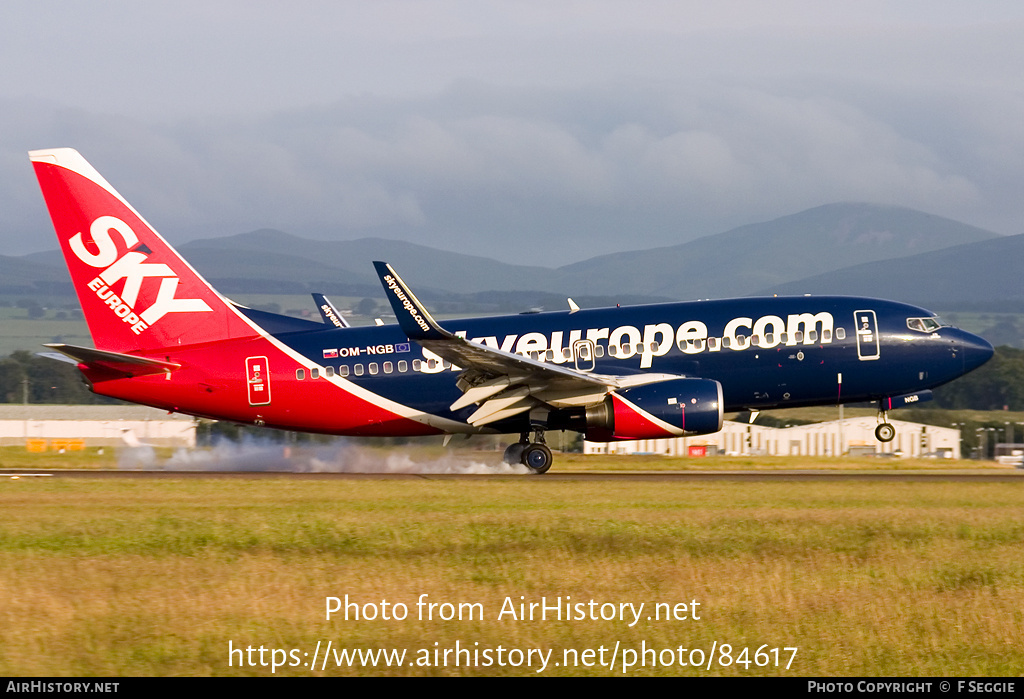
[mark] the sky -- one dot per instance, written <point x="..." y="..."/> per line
<point x="539" y="132"/>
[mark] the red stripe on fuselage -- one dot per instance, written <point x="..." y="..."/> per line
<point x="212" y="383"/>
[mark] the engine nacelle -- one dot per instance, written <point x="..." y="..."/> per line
<point x="674" y="408"/>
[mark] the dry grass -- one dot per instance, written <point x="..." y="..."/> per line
<point x="93" y="458"/>
<point x="155" y="578"/>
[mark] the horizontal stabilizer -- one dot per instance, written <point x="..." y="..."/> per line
<point x="58" y="357"/>
<point x="127" y="365"/>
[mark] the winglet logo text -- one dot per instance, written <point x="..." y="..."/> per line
<point x="406" y="303"/>
<point x="133" y="269"/>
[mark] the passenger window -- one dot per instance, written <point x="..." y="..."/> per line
<point x="567" y="353"/>
<point x="784" y="338"/>
<point x="826" y="336"/>
<point x="314" y="373"/>
<point x="550" y="355"/>
<point x="726" y="342"/>
<point x="373" y="368"/>
<point x="329" y="372"/>
<point x="300" y="374"/>
<point x="840" y="333"/>
<point x="812" y="335"/>
<point x="416" y="365"/>
<point x="359" y="369"/>
<point x="755" y="340"/>
<point x="403" y="366"/>
<point x="388" y="367"/>
<point x="598" y="351"/>
<point x="613" y="350"/>
<point x="343" y="370"/>
<point x="712" y="343"/>
<point x="769" y="338"/>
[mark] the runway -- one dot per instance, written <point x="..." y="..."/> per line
<point x="973" y="475"/>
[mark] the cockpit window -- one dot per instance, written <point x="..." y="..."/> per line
<point x="925" y="325"/>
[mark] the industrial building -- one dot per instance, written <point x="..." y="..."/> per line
<point x="46" y="427"/>
<point x="855" y="436"/>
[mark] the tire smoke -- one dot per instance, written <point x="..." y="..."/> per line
<point x="340" y="457"/>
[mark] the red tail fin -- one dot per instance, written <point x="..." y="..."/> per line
<point x="137" y="293"/>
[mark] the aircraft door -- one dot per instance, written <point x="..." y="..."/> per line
<point x="866" y="327"/>
<point x="583" y="351"/>
<point x="257" y="375"/>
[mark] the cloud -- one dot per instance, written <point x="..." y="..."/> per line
<point x="531" y="131"/>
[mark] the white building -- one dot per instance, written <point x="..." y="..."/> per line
<point x="94" y="426"/>
<point x="850" y="436"/>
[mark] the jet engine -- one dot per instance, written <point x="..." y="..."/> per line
<point x="674" y="408"/>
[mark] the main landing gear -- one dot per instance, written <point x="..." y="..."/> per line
<point x="534" y="455"/>
<point x="885" y="432"/>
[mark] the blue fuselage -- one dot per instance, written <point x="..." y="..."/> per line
<point x="765" y="352"/>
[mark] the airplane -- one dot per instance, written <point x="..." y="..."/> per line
<point x="164" y="337"/>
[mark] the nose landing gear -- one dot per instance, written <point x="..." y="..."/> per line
<point x="885" y="432"/>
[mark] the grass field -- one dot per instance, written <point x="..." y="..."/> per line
<point x="157" y="578"/>
<point x="355" y="456"/>
<point x="23" y="333"/>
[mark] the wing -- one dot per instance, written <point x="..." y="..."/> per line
<point x="502" y="383"/>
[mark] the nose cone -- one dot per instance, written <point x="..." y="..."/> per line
<point x="977" y="351"/>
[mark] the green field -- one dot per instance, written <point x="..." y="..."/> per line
<point x="23" y="333"/>
<point x="349" y="456"/>
<point x="19" y="332"/>
<point x="159" y="577"/>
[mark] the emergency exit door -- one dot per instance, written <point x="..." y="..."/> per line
<point x="257" y="376"/>
<point x="866" y="328"/>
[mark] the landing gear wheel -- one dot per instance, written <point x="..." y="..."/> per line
<point x="514" y="453"/>
<point x="885" y="432"/>
<point x="537" y="457"/>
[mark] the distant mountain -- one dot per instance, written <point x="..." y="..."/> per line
<point x="829" y="249"/>
<point x="755" y="257"/>
<point x="20" y="275"/>
<point x="280" y="255"/>
<point x="959" y="276"/>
